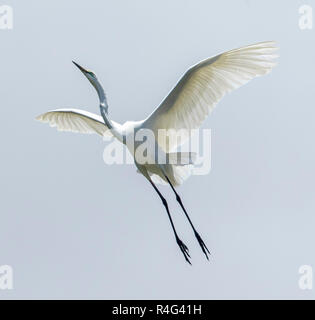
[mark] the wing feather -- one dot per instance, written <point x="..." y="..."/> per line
<point x="75" y="120"/>
<point x="203" y="85"/>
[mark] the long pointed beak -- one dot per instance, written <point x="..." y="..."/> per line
<point x="81" y="68"/>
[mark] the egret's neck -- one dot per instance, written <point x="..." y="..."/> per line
<point x="114" y="127"/>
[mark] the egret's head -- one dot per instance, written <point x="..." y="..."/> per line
<point x="88" y="73"/>
<point x="94" y="81"/>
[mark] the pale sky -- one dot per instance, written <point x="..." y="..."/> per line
<point x="73" y="227"/>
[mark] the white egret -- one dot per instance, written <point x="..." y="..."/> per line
<point x="185" y="107"/>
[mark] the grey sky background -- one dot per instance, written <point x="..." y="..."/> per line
<point x="72" y="227"/>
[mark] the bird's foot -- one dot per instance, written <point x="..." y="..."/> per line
<point x="204" y="248"/>
<point x="183" y="249"/>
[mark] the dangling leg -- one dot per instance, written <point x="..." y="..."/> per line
<point x="200" y="241"/>
<point x="181" y="245"/>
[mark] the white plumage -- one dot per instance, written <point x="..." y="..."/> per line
<point x="75" y="120"/>
<point x="203" y="85"/>
<point x="185" y="107"/>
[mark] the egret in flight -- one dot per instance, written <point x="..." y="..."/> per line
<point x="185" y="107"/>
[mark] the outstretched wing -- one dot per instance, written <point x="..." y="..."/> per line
<point x="75" y="120"/>
<point x="202" y="87"/>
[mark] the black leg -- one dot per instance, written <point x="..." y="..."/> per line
<point x="200" y="241"/>
<point x="181" y="245"/>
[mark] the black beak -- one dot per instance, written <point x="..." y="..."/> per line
<point x="81" y="68"/>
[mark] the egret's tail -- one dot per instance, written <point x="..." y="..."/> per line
<point x="181" y="158"/>
<point x="178" y="169"/>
